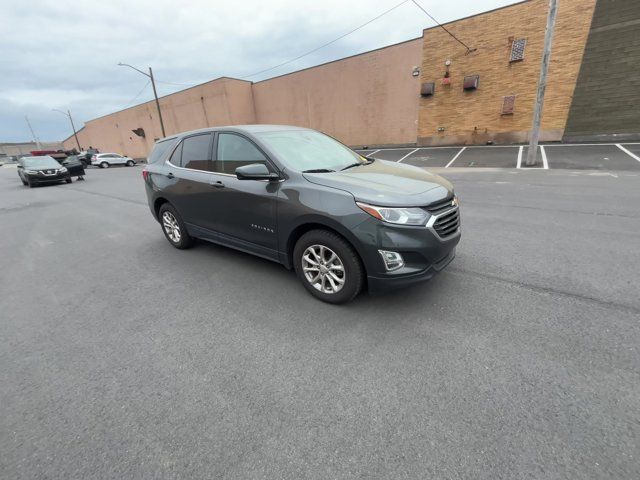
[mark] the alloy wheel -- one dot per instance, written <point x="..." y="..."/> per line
<point x="171" y="227"/>
<point x="323" y="269"/>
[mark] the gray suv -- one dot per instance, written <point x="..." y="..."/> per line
<point x="342" y="221"/>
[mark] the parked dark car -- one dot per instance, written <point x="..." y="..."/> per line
<point x="296" y="196"/>
<point x="41" y="170"/>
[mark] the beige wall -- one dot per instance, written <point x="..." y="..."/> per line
<point x="475" y="117"/>
<point x="365" y="99"/>
<point x="369" y="99"/>
<point x="219" y="102"/>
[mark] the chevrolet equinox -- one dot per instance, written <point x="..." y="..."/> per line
<point x="342" y="221"/>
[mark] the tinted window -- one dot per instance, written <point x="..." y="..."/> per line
<point x="160" y="149"/>
<point x="195" y="152"/>
<point x="175" y="156"/>
<point x="235" y="151"/>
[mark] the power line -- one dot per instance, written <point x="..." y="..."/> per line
<point x="139" y="93"/>
<point x="178" y="84"/>
<point x="326" y="44"/>
<point x="469" y="49"/>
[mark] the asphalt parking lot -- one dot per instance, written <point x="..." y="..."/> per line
<point x="123" y="357"/>
<point x="619" y="157"/>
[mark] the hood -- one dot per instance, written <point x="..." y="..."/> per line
<point x="387" y="184"/>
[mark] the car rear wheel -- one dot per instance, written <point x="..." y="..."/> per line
<point x="328" y="266"/>
<point x="174" y="228"/>
<point x="130" y="163"/>
<point x="68" y="180"/>
<point x="104" y="165"/>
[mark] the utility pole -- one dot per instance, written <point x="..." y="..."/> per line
<point x="73" y="127"/>
<point x="33" y="133"/>
<point x="532" y="154"/>
<point x="155" y="94"/>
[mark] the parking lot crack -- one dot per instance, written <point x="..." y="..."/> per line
<point x="106" y="195"/>
<point x="547" y="290"/>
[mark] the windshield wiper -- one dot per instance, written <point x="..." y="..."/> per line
<point x="318" y="170"/>
<point x="357" y="164"/>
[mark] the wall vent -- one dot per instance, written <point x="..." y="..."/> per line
<point x="427" y="88"/>
<point x="508" y="104"/>
<point x="471" y="82"/>
<point x="517" y="49"/>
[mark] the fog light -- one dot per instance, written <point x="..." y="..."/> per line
<point x="392" y="260"/>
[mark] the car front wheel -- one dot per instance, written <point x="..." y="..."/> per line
<point x="173" y="227"/>
<point x="130" y="163"/>
<point x="328" y="266"/>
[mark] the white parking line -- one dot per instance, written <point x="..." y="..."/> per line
<point x="375" y="151"/>
<point x="545" y="163"/>
<point x="631" y="154"/>
<point x="519" y="157"/>
<point x="408" y="154"/>
<point x="454" y="158"/>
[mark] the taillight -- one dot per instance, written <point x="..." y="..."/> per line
<point x="93" y="157"/>
<point x="145" y="174"/>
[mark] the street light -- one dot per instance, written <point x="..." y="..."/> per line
<point x="75" y="134"/>
<point x="155" y="94"/>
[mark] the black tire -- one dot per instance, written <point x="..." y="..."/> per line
<point x="185" y="240"/>
<point x="23" y="182"/>
<point x="353" y="270"/>
<point x="104" y="165"/>
<point x="68" y="180"/>
<point x="31" y="185"/>
<point x="130" y="163"/>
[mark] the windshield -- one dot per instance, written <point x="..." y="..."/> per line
<point x="309" y="150"/>
<point x="40" y="162"/>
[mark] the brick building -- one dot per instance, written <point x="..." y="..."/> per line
<point x="414" y="92"/>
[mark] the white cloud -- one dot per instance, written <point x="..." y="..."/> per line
<point x="64" y="53"/>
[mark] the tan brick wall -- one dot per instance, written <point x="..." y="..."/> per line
<point x="475" y="117"/>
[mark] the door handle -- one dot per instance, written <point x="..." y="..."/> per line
<point x="169" y="175"/>
<point x="218" y="184"/>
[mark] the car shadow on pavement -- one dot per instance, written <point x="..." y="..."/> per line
<point x="273" y="278"/>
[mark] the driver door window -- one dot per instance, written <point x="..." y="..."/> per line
<point x="235" y="151"/>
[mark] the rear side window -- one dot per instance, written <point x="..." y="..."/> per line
<point x="160" y="149"/>
<point x="235" y="151"/>
<point x="176" y="156"/>
<point x="195" y="152"/>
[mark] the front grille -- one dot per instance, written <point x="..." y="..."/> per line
<point x="448" y="223"/>
<point x="439" y="206"/>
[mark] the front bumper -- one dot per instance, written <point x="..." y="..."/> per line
<point x="424" y="253"/>
<point x="392" y="282"/>
<point x="40" y="178"/>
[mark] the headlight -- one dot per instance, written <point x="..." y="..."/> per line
<point x="63" y="169"/>
<point x="398" y="215"/>
<point x="31" y="172"/>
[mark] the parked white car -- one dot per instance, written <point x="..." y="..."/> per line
<point x="105" y="160"/>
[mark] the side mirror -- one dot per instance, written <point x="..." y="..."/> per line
<point x="255" y="171"/>
<point x="19" y="166"/>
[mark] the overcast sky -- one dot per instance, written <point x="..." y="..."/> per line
<point x="63" y="54"/>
